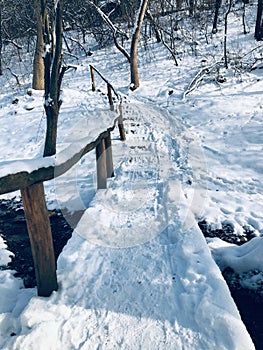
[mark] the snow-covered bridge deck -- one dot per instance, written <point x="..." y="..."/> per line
<point x="137" y="272"/>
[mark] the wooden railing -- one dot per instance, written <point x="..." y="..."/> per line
<point x="110" y="88"/>
<point x="31" y="186"/>
<point x="110" y="92"/>
<point x="22" y="179"/>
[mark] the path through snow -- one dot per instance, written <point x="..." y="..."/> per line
<point x="161" y="289"/>
<point x="137" y="272"/>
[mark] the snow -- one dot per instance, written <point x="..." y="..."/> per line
<point x="137" y="272"/>
<point x="240" y="258"/>
<point x="27" y="165"/>
<point x="120" y="304"/>
<point x="4" y="254"/>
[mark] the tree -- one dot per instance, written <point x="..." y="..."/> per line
<point x="38" y="63"/>
<point x="134" y="45"/>
<point x="115" y="31"/>
<point x="191" y="7"/>
<point x="217" y="8"/>
<point x="259" y="21"/>
<point x="225" y="34"/>
<point x="1" y="37"/>
<point x="160" y="34"/>
<point x="132" y="57"/>
<point x="53" y="72"/>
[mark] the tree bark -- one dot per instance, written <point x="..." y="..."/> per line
<point x="244" y="16"/>
<point x="225" y="34"/>
<point x="135" y="83"/>
<point x="53" y="78"/>
<point x="259" y="22"/>
<point x="38" y="63"/>
<point x="191" y="7"/>
<point x="158" y="35"/>
<point x="217" y="8"/>
<point x="1" y="37"/>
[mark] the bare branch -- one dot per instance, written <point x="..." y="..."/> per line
<point x="114" y="30"/>
<point x="195" y="82"/>
<point x="7" y="41"/>
<point x="107" y="20"/>
<point x="80" y="45"/>
<point x="14" y="75"/>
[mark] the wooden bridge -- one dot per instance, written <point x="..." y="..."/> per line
<point x="31" y="185"/>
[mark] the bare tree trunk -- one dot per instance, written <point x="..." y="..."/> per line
<point x="38" y="63"/>
<point x="259" y="22"/>
<point x="191" y="7"/>
<point x="53" y="75"/>
<point x="179" y="4"/>
<point x="225" y="34"/>
<point x="157" y="32"/>
<point x="134" y="46"/>
<point x="1" y="37"/>
<point x="217" y="8"/>
<point x="244" y="16"/>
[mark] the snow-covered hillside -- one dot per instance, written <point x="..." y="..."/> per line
<point x="137" y="272"/>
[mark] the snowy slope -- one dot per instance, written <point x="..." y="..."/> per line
<point x="161" y="290"/>
<point x="137" y="273"/>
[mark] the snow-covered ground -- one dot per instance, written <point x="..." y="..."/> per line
<point x="137" y="272"/>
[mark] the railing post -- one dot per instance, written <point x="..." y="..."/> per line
<point x="101" y="165"/>
<point x="110" y="97"/>
<point x="40" y="235"/>
<point x="93" y="84"/>
<point x="120" y="124"/>
<point x="109" y="160"/>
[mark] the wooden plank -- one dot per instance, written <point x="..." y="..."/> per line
<point x="39" y="231"/>
<point x="109" y="159"/>
<point x="101" y="165"/>
<point x="14" y="182"/>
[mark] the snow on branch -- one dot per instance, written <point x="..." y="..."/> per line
<point x="199" y="77"/>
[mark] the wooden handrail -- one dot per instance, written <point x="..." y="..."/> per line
<point x="92" y="68"/>
<point x="110" y="89"/>
<point x="30" y="183"/>
<point x="22" y="179"/>
<point x="33" y="195"/>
